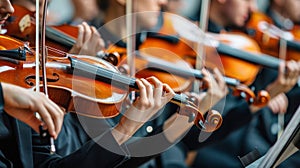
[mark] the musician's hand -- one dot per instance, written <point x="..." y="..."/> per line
<point x="88" y="42"/>
<point x="153" y="96"/>
<point x="288" y="76"/>
<point x="279" y="104"/>
<point x="23" y="103"/>
<point x="216" y="90"/>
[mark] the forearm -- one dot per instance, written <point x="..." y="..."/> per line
<point x="122" y="134"/>
<point x="125" y="129"/>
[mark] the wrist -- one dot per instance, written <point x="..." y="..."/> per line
<point x="119" y="135"/>
<point x="123" y="132"/>
<point x="128" y="125"/>
<point x="273" y="89"/>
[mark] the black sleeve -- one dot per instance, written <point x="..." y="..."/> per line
<point x="175" y="157"/>
<point x="89" y="155"/>
<point x="149" y="145"/>
<point x="102" y="151"/>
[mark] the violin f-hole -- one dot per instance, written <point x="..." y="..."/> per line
<point x="30" y="80"/>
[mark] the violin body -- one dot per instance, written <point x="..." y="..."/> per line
<point x="71" y="31"/>
<point x="232" y="67"/>
<point x="156" y="65"/>
<point x="85" y="96"/>
<point x="170" y="46"/>
<point x="168" y="39"/>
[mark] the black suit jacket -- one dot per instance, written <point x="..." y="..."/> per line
<point x="21" y="149"/>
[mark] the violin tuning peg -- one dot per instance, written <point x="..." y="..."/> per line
<point x="113" y="58"/>
<point x="124" y="69"/>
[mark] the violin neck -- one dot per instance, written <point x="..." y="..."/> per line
<point x="295" y="45"/>
<point x="258" y="59"/>
<point x="59" y="37"/>
<point x="161" y="65"/>
<point x="85" y="69"/>
<point x="173" y="39"/>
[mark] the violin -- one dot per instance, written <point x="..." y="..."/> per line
<point x="87" y="85"/>
<point x="261" y="28"/>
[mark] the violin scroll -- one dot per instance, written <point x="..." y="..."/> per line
<point x="213" y="118"/>
<point x="212" y="122"/>
<point x="259" y="100"/>
<point x="262" y="98"/>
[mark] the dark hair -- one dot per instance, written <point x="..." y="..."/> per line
<point x="103" y="4"/>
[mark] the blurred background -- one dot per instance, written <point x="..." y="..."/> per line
<point x="63" y="11"/>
